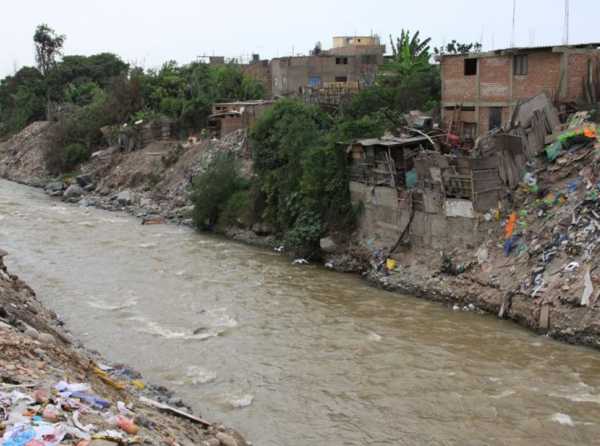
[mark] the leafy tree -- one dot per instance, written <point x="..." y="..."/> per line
<point x="220" y="188"/>
<point x="22" y="99"/>
<point x="411" y="49"/>
<point x="407" y="81"/>
<point x="301" y="173"/>
<point x="48" y="46"/>
<point x="456" y="47"/>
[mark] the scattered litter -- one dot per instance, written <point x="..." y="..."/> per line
<point x="300" y="262"/>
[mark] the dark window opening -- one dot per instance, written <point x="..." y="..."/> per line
<point x="341" y="78"/>
<point x="470" y="67"/>
<point x="368" y="59"/>
<point x="521" y="65"/>
<point x="341" y="61"/>
<point x="495" y="118"/>
<point x="468" y="108"/>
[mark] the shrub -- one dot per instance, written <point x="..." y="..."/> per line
<point x="238" y="210"/>
<point x="75" y="154"/>
<point x="212" y="190"/>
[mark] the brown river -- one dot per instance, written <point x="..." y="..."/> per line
<point x="294" y="355"/>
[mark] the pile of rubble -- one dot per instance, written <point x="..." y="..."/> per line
<point x="53" y="393"/>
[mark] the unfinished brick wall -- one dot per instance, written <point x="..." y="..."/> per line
<point x="543" y="76"/>
<point x="456" y="87"/>
<point x="494" y="78"/>
<point x="577" y="69"/>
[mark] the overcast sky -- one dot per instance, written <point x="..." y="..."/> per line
<point x="149" y="32"/>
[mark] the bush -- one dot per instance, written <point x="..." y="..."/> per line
<point x="238" y="210"/>
<point x="212" y="190"/>
<point x="75" y="154"/>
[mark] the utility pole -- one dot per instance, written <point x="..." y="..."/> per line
<point x="566" y="36"/>
<point x="514" y="21"/>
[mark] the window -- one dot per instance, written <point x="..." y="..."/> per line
<point x="341" y="79"/>
<point x="470" y="67"/>
<point x="520" y="65"/>
<point x="495" y="115"/>
<point x="341" y="61"/>
<point x="469" y="130"/>
<point x="368" y="59"/>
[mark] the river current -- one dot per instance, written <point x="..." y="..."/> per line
<point x="294" y="355"/>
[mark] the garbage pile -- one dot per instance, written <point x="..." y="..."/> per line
<point x="67" y="411"/>
<point x="53" y="393"/>
<point x="557" y="223"/>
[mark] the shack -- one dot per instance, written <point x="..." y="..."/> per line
<point x="227" y="117"/>
<point x="385" y="161"/>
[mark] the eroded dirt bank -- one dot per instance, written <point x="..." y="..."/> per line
<point x="54" y="391"/>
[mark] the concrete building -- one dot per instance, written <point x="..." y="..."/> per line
<point x="352" y="60"/>
<point x="480" y="91"/>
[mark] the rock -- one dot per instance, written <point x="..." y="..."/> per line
<point x="227" y="440"/>
<point x="31" y="332"/>
<point x="47" y="338"/>
<point x="124" y="198"/>
<point x="73" y="191"/>
<point x="328" y="245"/>
<point x="212" y="442"/>
<point x="262" y="229"/>
<point x="174" y="401"/>
<point x="146" y="202"/>
<point x="83" y="180"/>
<point x="3" y="253"/>
<point x="55" y="188"/>
<point x="102" y="443"/>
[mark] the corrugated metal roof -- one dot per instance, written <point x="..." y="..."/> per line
<point x="391" y="142"/>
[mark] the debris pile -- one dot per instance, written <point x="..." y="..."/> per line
<point x="52" y="393"/>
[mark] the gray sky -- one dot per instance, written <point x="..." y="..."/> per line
<point x="148" y="32"/>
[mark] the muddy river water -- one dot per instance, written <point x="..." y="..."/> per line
<point x="294" y="355"/>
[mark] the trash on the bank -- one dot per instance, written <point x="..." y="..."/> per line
<point x="138" y="384"/>
<point x="510" y="225"/>
<point x="103" y="375"/>
<point x="571" y="267"/>
<point x="279" y="248"/>
<point x="390" y="264"/>
<point x="91" y="400"/>
<point x="300" y="262"/>
<point x="589" y="288"/>
<point x="127" y="425"/>
<point x="66" y="389"/>
<point x="174" y="411"/>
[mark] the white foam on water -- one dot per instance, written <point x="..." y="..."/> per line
<point x="87" y="224"/>
<point x="374" y="337"/>
<point x="563" y="419"/>
<point x="239" y="402"/>
<point x="154" y="328"/>
<point x="147" y="245"/>
<point x="102" y="305"/>
<point x="197" y="375"/>
<point x="504" y="394"/>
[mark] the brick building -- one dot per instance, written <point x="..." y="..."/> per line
<point x="480" y="91"/>
<point x="351" y="60"/>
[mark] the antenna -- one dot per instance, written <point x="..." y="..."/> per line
<point x="512" y="36"/>
<point x="566" y="36"/>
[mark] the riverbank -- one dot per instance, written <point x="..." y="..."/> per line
<point x="539" y="283"/>
<point x="51" y="386"/>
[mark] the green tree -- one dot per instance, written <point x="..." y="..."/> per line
<point x="48" y="46"/>
<point x="220" y="188"/>
<point x="301" y="172"/>
<point x="456" y="47"/>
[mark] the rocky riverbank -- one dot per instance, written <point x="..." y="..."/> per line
<point x="53" y="391"/>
